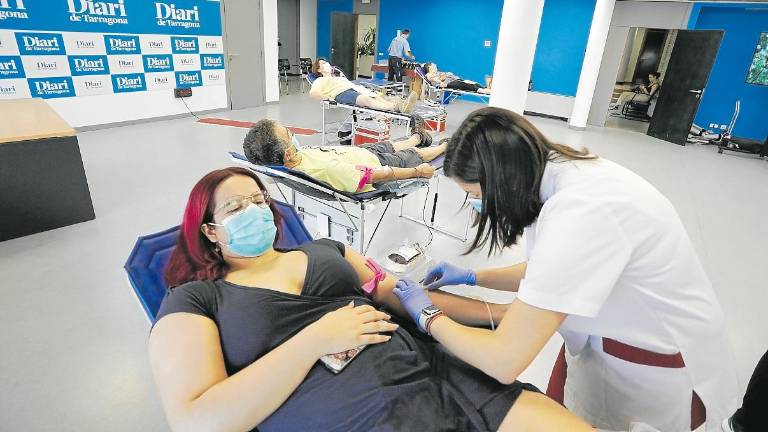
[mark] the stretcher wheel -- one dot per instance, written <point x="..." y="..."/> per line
<point x="720" y="150"/>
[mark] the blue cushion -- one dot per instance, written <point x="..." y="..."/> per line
<point x="146" y="264"/>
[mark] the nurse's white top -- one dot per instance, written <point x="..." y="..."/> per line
<point x="609" y="250"/>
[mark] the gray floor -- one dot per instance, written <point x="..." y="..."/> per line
<point x="74" y="340"/>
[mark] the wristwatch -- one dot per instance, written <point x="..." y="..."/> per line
<point x="427" y="315"/>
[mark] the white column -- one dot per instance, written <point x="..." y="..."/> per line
<point x="518" y="34"/>
<point x="598" y="34"/>
<point x="271" y="80"/>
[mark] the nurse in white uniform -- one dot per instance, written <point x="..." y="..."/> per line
<point x="610" y="267"/>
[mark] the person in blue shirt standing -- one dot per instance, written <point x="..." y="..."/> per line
<point x="399" y="49"/>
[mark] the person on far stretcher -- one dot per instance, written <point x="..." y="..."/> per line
<point x="346" y="168"/>
<point x="338" y="88"/>
<point x="450" y="81"/>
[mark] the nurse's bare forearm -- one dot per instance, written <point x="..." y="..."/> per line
<point x="468" y="311"/>
<point x="506" y="352"/>
<point x="502" y="278"/>
<point x="464" y="310"/>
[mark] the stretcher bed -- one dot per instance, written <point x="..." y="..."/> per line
<point x="352" y="206"/>
<point x="357" y="113"/>
<point x="440" y="95"/>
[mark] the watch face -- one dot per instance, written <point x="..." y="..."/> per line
<point x="429" y="310"/>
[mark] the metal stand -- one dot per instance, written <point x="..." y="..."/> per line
<point x="462" y="237"/>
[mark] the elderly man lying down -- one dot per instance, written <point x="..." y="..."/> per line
<point x="346" y="168"/>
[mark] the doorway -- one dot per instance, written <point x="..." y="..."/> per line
<point x="343" y="42"/>
<point x="244" y="48"/>
<point x="288" y="30"/>
<point x="655" y="65"/>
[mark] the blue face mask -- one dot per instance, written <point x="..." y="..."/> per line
<point x="476" y="204"/>
<point x="250" y="232"/>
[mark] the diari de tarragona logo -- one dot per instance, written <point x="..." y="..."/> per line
<point x="40" y="43"/>
<point x="11" y="67"/>
<point x="99" y="12"/>
<point x="48" y="88"/>
<point x="169" y="15"/>
<point x="189" y="79"/>
<point x="128" y="83"/>
<point x="158" y="63"/>
<point x="88" y="65"/>
<point x="10" y="9"/>
<point x="8" y="89"/>
<point x="212" y="61"/>
<point x="184" y="45"/>
<point x="117" y="44"/>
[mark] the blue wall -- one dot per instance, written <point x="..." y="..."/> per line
<point x="324" y="9"/>
<point x="560" y="49"/>
<point x="451" y="33"/>
<point x="447" y="32"/>
<point x="727" y="81"/>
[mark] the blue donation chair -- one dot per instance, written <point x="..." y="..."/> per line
<point x="150" y="254"/>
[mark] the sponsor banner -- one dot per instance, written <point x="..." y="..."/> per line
<point x="88" y="65"/>
<point x="84" y="43"/>
<point x="186" y="62"/>
<point x="46" y="66"/>
<point x="8" y="43"/>
<point x="189" y="79"/>
<point x="170" y="15"/>
<point x="125" y="64"/>
<point x="40" y="43"/>
<point x="155" y="44"/>
<point x="118" y="44"/>
<point x="213" y="77"/>
<point x="14" y="88"/>
<point x="91" y="85"/>
<point x="212" y="61"/>
<point x="160" y="81"/>
<point x="12" y="13"/>
<point x="51" y="87"/>
<point x="184" y="45"/>
<point x="211" y="44"/>
<point x="128" y="83"/>
<point x="176" y="17"/>
<point x="11" y="67"/>
<point x="158" y="63"/>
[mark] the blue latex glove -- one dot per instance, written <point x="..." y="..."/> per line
<point x="446" y="274"/>
<point x="413" y="298"/>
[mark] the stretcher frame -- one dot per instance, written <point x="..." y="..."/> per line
<point x="326" y="195"/>
<point x="439" y="92"/>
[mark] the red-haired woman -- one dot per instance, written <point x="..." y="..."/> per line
<point x="237" y="341"/>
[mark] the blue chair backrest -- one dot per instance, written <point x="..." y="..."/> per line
<point x="311" y="77"/>
<point x="150" y="254"/>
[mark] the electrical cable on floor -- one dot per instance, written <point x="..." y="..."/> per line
<point x="424" y="219"/>
<point x="188" y="109"/>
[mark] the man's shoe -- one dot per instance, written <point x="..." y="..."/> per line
<point x="417" y="124"/>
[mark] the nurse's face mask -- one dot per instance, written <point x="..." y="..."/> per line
<point x="249" y="224"/>
<point x="476" y="204"/>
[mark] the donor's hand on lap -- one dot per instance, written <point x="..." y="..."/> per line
<point x="347" y="328"/>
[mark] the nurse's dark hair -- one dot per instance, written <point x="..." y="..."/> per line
<point x="506" y="155"/>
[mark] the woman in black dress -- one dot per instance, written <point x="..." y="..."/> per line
<point x="237" y="340"/>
